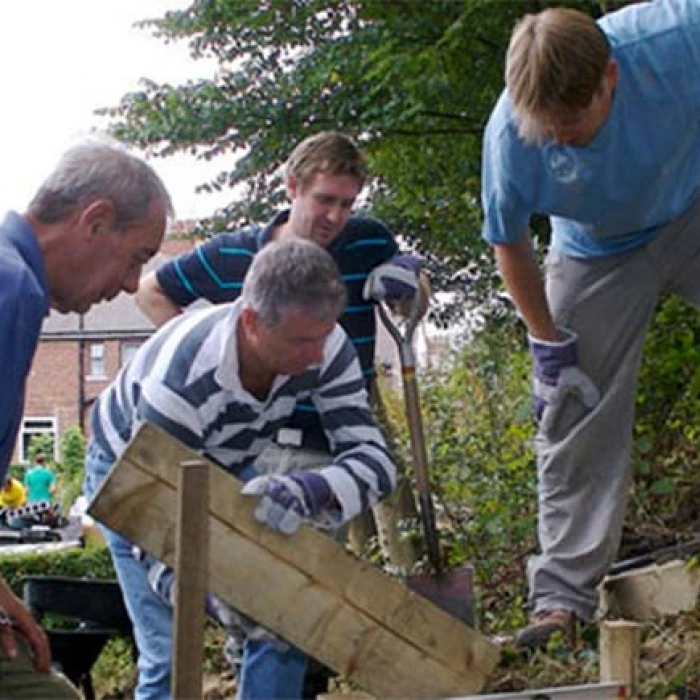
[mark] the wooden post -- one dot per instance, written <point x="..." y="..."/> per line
<point x="619" y="652"/>
<point x="191" y="574"/>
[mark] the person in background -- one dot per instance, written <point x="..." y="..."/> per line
<point x="40" y="481"/>
<point x="323" y="177"/>
<point x="222" y="380"/>
<point x="599" y="128"/>
<point x="88" y="230"/>
<point x="13" y="493"/>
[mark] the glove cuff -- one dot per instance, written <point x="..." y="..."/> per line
<point x="551" y="356"/>
<point x="565" y="338"/>
<point x="414" y="263"/>
<point x="318" y="494"/>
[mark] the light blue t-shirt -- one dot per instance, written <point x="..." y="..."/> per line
<point x="643" y="167"/>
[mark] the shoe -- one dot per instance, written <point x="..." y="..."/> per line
<point x="543" y="625"/>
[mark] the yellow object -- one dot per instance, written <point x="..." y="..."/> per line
<point x="13" y="494"/>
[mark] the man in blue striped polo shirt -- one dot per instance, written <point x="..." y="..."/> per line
<point x="223" y="380"/>
<point x="323" y="176"/>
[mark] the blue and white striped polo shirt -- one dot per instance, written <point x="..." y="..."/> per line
<point x="215" y="271"/>
<point x="185" y="380"/>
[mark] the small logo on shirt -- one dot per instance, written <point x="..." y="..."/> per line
<point x="562" y="164"/>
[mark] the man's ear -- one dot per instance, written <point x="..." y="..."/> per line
<point x="98" y="216"/>
<point x="249" y="320"/>
<point x="291" y="184"/>
<point x="611" y="74"/>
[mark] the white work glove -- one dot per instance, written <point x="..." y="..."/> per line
<point x="557" y="373"/>
<point x="288" y="501"/>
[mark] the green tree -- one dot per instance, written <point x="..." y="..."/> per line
<point x="413" y="82"/>
<point x="40" y="443"/>
<point x="71" y="467"/>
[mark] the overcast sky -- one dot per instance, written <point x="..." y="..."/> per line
<point x="61" y="60"/>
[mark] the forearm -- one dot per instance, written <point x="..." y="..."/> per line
<point x="362" y="472"/>
<point x="523" y="280"/>
<point x="153" y="301"/>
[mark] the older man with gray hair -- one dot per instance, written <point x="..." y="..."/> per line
<point x="223" y="380"/>
<point x="88" y="231"/>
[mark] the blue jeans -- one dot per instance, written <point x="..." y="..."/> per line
<point x="266" y="674"/>
<point x="270" y="674"/>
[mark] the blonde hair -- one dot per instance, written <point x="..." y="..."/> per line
<point x="555" y="63"/>
<point x="328" y="152"/>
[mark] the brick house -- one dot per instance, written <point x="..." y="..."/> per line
<point x="78" y="356"/>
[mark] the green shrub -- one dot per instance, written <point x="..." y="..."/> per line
<point x="666" y="446"/>
<point x="72" y="466"/>
<point x="41" y="442"/>
<point x="93" y="562"/>
<point x="479" y="428"/>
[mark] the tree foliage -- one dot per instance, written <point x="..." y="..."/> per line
<point x="413" y="82"/>
<point x="72" y="465"/>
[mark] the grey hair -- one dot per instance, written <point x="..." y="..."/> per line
<point x="294" y="274"/>
<point x="99" y="169"/>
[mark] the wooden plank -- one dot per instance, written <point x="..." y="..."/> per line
<point x="191" y="568"/>
<point x="591" y="691"/>
<point x="619" y="653"/>
<point x="346" y="613"/>
<point x="651" y="592"/>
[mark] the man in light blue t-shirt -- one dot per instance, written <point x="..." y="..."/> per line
<point x="598" y="128"/>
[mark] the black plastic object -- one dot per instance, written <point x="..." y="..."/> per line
<point x="94" y="613"/>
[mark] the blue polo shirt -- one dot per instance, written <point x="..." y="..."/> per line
<point x="643" y="167"/>
<point x="24" y="302"/>
<point x="215" y="271"/>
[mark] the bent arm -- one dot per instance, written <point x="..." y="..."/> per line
<point x="523" y="280"/>
<point x="154" y="302"/>
<point x="362" y="471"/>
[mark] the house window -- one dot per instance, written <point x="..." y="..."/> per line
<point x="36" y="426"/>
<point x="128" y="350"/>
<point x="97" y="361"/>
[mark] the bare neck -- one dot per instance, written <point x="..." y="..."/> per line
<point x="255" y="378"/>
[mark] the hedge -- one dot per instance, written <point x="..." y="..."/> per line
<point x="91" y="563"/>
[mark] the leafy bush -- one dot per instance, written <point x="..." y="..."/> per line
<point x="478" y="428"/>
<point x="666" y="447"/>
<point x="72" y="465"/>
<point x="41" y="442"/>
<point x="93" y="563"/>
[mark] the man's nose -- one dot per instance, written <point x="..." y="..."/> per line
<point x="562" y="136"/>
<point x="335" y="214"/>
<point x="130" y="283"/>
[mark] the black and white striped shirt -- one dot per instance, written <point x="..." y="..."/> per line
<point x="185" y="379"/>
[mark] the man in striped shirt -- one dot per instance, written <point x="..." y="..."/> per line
<point x="224" y="380"/>
<point x="323" y="176"/>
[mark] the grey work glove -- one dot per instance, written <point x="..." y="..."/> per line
<point x="557" y="373"/>
<point x="288" y="501"/>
